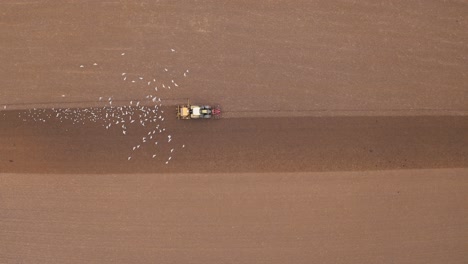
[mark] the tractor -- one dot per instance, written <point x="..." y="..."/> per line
<point x="188" y="111"/>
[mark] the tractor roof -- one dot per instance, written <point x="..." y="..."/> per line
<point x="196" y="111"/>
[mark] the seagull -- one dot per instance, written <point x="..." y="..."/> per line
<point x="122" y="54"/>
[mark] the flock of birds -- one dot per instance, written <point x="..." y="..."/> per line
<point x="147" y="113"/>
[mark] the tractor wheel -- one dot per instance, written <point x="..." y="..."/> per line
<point x="207" y="116"/>
<point x="207" y="107"/>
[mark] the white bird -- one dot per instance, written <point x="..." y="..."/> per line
<point x="172" y="150"/>
<point x="123" y="73"/>
<point x="154" y="155"/>
<point x="81" y="66"/>
<point x="129" y="158"/>
<point x="95" y="64"/>
<point x="123" y="53"/>
<point x="172" y="50"/>
<point x="183" y="146"/>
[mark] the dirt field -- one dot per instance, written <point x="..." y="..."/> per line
<point x="343" y="140"/>
<point x="404" y="216"/>
<point x="233" y="145"/>
<point x="303" y="57"/>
